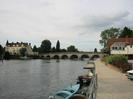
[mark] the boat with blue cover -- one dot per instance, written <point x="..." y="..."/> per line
<point x="67" y="92"/>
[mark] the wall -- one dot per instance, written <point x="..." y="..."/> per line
<point x="127" y="50"/>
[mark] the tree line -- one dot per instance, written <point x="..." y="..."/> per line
<point x="1" y="52"/>
<point x="46" y="47"/>
<point x="114" y="33"/>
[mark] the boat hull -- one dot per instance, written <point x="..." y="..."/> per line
<point x="67" y="92"/>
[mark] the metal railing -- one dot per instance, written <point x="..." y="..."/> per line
<point x="92" y="90"/>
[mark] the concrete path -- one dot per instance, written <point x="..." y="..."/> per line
<point x="112" y="84"/>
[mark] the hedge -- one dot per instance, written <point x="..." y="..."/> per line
<point x="119" y="61"/>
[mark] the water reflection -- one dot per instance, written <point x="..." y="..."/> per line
<point x="36" y="79"/>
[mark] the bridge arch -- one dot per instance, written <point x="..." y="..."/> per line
<point x="95" y="57"/>
<point x="74" y="57"/>
<point x="47" y="57"/>
<point x="42" y="56"/>
<point x="84" y="56"/>
<point x="56" y="57"/>
<point x="64" y="57"/>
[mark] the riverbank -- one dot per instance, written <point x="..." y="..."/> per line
<point x="112" y="84"/>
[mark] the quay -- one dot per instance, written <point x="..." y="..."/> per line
<point x="112" y="84"/>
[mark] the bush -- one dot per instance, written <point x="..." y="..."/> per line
<point x="115" y="59"/>
<point x="7" y="56"/>
<point x="120" y="61"/>
<point x="104" y="58"/>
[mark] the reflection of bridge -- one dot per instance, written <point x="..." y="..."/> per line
<point x="72" y="55"/>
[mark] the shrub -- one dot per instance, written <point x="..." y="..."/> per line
<point x="114" y="59"/>
<point x="104" y="58"/>
<point x="120" y="61"/>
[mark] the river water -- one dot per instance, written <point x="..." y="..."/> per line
<point x="37" y="79"/>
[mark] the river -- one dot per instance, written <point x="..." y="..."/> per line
<point x="37" y="79"/>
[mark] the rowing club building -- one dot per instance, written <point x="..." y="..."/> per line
<point x="122" y="46"/>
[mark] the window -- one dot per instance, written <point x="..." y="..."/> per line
<point x="115" y="48"/>
<point x="112" y="48"/>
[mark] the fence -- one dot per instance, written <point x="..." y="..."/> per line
<point x="92" y="90"/>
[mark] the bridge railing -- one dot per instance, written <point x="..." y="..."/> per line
<point x="74" y="53"/>
<point x="92" y="90"/>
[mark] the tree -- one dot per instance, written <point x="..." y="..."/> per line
<point x="108" y="34"/>
<point x="7" y="42"/>
<point x="1" y="51"/>
<point x="126" y="32"/>
<point x="53" y="49"/>
<point x="58" y="46"/>
<point x="72" y="49"/>
<point x="23" y="51"/>
<point x="45" y="46"/>
<point x="35" y="49"/>
<point x="7" y="55"/>
<point x="63" y="50"/>
<point x="95" y="50"/>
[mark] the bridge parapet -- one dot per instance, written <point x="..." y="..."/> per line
<point x="69" y="55"/>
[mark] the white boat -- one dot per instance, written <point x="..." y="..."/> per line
<point x="130" y="74"/>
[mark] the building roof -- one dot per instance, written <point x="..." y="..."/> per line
<point x="127" y="41"/>
<point x="17" y="43"/>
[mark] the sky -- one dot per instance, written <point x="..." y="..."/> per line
<point x="72" y="22"/>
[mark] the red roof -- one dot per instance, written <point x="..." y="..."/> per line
<point x="128" y="41"/>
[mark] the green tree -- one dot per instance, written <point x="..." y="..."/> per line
<point x="45" y="46"/>
<point x="1" y="51"/>
<point x="35" y="49"/>
<point x="23" y="51"/>
<point x="108" y="34"/>
<point x="72" y="49"/>
<point x="63" y="50"/>
<point x="58" y="46"/>
<point x="53" y="49"/>
<point x="126" y="32"/>
<point x="7" y="42"/>
<point x="7" y="55"/>
<point x="95" y="50"/>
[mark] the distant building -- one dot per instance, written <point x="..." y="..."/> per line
<point x="121" y="46"/>
<point x="14" y="48"/>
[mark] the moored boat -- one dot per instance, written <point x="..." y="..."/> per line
<point x="67" y="92"/>
<point x="77" y="96"/>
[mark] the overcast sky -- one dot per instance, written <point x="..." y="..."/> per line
<point x="73" y="22"/>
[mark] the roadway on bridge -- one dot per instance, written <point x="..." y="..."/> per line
<point x="112" y="84"/>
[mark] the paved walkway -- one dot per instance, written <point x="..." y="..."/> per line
<point x="112" y="84"/>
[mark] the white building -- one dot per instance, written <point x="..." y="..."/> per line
<point x="14" y="48"/>
<point x="121" y="46"/>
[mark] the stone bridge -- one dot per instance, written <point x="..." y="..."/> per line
<point x="72" y="55"/>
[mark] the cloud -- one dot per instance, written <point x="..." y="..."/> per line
<point x="103" y="21"/>
<point x="70" y="21"/>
